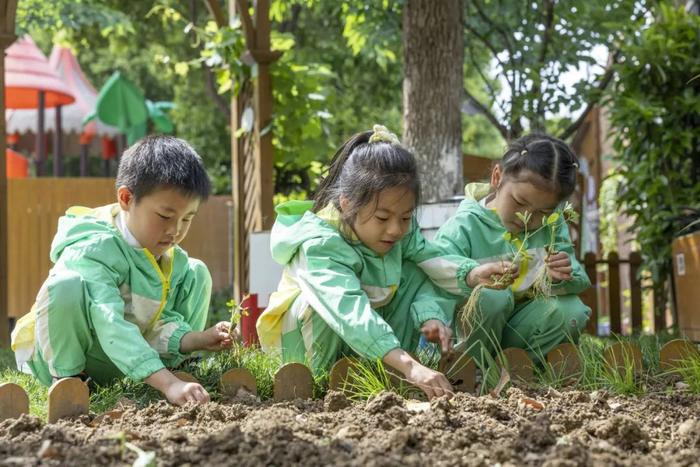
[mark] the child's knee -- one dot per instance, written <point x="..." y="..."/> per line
<point x="576" y="315"/>
<point x="495" y="303"/>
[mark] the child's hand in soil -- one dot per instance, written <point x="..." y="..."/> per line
<point x="559" y="266"/>
<point x="181" y="392"/>
<point x="213" y="339"/>
<point x="435" y="330"/>
<point x="496" y="275"/>
<point x="177" y="392"/>
<point x="433" y="383"/>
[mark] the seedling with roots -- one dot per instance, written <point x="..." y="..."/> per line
<point x="541" y="287"/>
<point x="237" y="312"/>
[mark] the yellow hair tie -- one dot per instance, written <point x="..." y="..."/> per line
<point x="383" y="135"/>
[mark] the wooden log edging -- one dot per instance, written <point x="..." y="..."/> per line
<point x="69" y="397"/>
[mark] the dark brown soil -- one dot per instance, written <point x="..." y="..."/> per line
<point x="538" y="428"/>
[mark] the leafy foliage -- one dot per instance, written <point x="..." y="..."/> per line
<point x="531" y="45"/>
<point x="655" y="112"/>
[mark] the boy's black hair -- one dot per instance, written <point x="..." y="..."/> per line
<point x="360" y="170"/>
<point x="159" y="161"/>
<point x="546" y="156"/>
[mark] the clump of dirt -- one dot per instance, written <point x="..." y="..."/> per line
<point x="335" y="401"/>
<point x="622" y="431"/>
<point x="536" y="435"/>
<point x="524" y="427"/>
<point x="383" y="402"/>
<point x="23" y="424"/>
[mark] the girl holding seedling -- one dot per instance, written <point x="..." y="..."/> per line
<point x="355" y="263"/>
<point x="521" y="218"/>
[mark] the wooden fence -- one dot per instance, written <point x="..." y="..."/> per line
<point x="35" y="205"/>
<point x="609" y="297"/>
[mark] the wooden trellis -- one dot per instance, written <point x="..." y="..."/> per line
<point x="252" y="152"/>
<point x="7" y="37"/>
<point x="251" y="146"/>
<point x="69" y="397"/>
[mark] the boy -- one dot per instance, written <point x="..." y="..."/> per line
<point x="122" y="297"/>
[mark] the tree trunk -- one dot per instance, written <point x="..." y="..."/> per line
<point x="433" y="44"/>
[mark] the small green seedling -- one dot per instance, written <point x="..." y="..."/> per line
<point x="237" y="313"/>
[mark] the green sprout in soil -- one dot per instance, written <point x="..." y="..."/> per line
<point x="237" y="313"/>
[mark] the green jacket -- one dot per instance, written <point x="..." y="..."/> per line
<point x="135" y="303"/>
<point x="477" y="232"/>
<point x="345" y="282"/>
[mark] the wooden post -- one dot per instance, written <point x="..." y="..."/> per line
<point x="83" y="160"/>
<point x="636" y="292"/>
<point x="263" y="116"/>
<point x="57" y="144"/>
<point x="40" y="156"/>
<point x="590" y="296"/>
<point x="4" y="206"/>
<point x="252" y="168"/>
<point x="240" y="237"/>
<point x="7" y="37"/>
<point x="614" y="293"/>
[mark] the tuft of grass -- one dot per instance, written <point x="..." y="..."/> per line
<point x="104" y="398"/>
<point x="7" y="360"/>
<point x="689" y="370"/>
<point x="597" y="374"/>
<point x="367" y="378"/>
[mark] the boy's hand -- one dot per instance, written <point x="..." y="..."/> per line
<point x="217" y="337"/>
<point x="181" y="392"/>
<point x="435" y="330"/>
<point x="504" y="273"/>
<point x="213" y="339"/>
<point x="559" y="266"/>
<point x="177" y="392"/>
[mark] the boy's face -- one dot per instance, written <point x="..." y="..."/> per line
<point x="160" y="219"/>
<point x="380" y="226"/>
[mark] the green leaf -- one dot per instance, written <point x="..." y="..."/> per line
<point x="552" y="218"/>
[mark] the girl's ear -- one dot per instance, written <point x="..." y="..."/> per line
<point x="344" y="203"/>
<point x="496" y="177"/>
<point x="125" y="197"/>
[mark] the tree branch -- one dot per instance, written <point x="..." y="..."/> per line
<point x="488" y="114"/>
<point x="248" y="29"/>
<point x="549" y="19"/>
<point x="493" y="50"/>
<point x="510" y="45"/>
<point x="221" y="103"/>
<point x="602" y="84"/>
<point x="492" y="92"/>
<point x="605" y="79"/>
<point x="216" y="12"/>
<point x="209" y="78"/>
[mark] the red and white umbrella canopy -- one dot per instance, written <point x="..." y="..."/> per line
<point x="67" y="68"/>
<point x="27" y="71"/>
